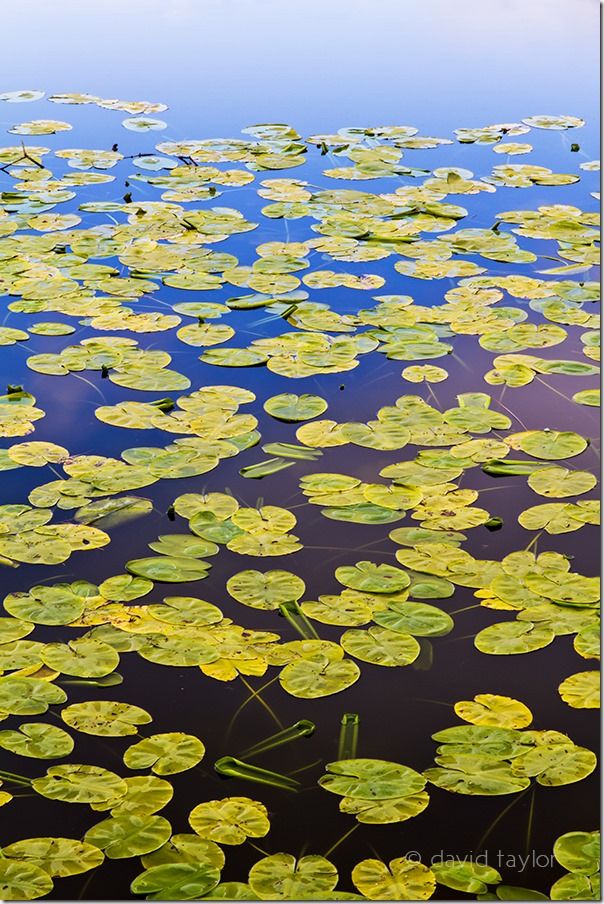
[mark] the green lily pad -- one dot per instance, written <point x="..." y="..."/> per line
<point x="578" y="852"/>
<point x="23" y="881"/>
<point x="74" y="783"/>
<point x="576" y="887"/>
<point x="35" y="739"/>
<point x="476" y="774"/>
<point x="282" y="877"/>
<point x="230" y="821"/>
<point x="58" y="604"/>
<point x="105" y="718"/>
<point x="28" y="696"/>
<point x="466" y="876"/>
<point x="550" y="444"/>
<point x="582" y="690"/>
<point x="366" y="576"/>
<point x="400" y="880"/>
<point x="129" y="836"/>
<point x="145" y="794"/>
<point x="380" y="646"/>
<point x="165" y="754"/>
<point x="418" y="619"/>
<point x="371" y="780"/>
<point x="293" y="408"/>
<point x="557" y="764"/>
<point x="185" y="847"/>
<point x="318" y="677"/>
<point x="510" y="638"/>
<point x="169" y="569"/>
<point x="58" y="857"/>
<point x="385" y="812"/>
<point x="266" y="590"/>
<point x="176" y="882"/>
<point x="186" y="610"/>
<point x="83" y="657"/>
<point x="560" y="482"/>
<point x="495" y="710"/>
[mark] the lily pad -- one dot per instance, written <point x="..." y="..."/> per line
<point x="400" y="880"/>
<point x="282" y="877"/>
<point x="293" y="408"/>
<point x="165" y="754"/>
<point x="129" y="836"/>
<point x="230" y="821"/>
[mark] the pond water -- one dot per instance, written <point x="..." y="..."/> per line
<point x="331" y="238"/>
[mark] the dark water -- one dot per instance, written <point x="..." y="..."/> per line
<point x="221" y="67"/>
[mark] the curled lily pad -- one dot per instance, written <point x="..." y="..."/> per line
<point x="564" y="588"/>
